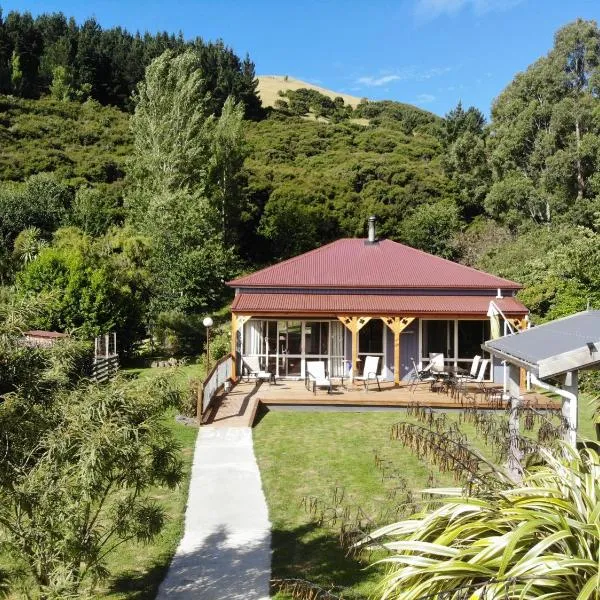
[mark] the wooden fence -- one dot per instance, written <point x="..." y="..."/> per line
<point x="105" y="368"/>
<point x="106" y="358"/>
<point x="214" y="381"/>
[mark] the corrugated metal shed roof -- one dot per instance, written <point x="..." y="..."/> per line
<point x="45" y="334"/>
<point x="354" y="263"/>
<point x="567" y="344"/>
<point x="337" y="304"/>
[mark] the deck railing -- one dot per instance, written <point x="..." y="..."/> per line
<point x="218" y="375"/>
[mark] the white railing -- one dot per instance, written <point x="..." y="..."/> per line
<point x="218" y="375"/>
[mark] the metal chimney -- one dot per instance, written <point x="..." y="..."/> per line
<point x="372" y="239"/>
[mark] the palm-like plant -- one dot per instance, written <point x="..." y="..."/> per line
<point x="540" y="540"/>
<point x="28" y="244"/>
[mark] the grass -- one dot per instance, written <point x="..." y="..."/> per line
<point x="304" y="455"/>
<point x="269" y="86"/>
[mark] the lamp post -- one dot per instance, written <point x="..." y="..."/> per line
<point x="208" y="323"/>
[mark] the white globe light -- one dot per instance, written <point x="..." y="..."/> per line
<point x="208" y="322"/>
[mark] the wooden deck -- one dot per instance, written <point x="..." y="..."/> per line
<point x="238" y="407"/>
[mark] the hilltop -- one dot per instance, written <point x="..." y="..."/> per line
<point x="270" y="85"/>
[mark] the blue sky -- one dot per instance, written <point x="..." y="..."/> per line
<point x="431" y="53"/>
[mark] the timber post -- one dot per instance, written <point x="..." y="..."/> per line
<point x="397" y="325"/>
<point x="234" y="330"/>
<point x="521" y="325"/>
<point x="237" y="322"/>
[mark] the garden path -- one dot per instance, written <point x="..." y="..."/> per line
<point x="225" y="552"/>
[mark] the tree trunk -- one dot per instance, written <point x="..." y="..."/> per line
<point x="580" y="178"/>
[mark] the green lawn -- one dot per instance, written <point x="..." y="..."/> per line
<point x="310" y="454"/>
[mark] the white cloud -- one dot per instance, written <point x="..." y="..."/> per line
<point x="411" y="73"/>
<point x="424" y="99"/>
<point x="430" y="9"/>
<point x="377" y="81"/>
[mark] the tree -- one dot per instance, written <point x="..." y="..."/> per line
<point x="94" y="211"/>
<point x="42" y="202"/>
<point x="96" y="285"/>
<point x="189" y="260"/>
<point x="60" y="88"/>
<point x="458" y="121"/>
<point x="226" y="159"/>
<point x="466" y="160"/>
<point x="185" y="170"/>
<point x="431" y="227"/>
<point x="534" y="540"/>
<point x="78" y="460"/>
<point x="16" y="73"/>
<point x="544" y="126"/>
<point x="172" y="125"/>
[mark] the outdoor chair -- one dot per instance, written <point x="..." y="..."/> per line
<point x="436" y="360"/>
<point x="369" y="372"/>
<point x="479" y="380"/>
<point x="316" y="377"/>
<point x="472" y="375"/>
<point x="251" y="366"/>
<point x="420" y="375"/>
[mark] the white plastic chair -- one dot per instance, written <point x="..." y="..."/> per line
<point x="370" y="372"/>
<point x="436" y="360"/>
<point x="472" y="375"/>
<point x="480" y="379"/>
<point x="251" y="365"/>
<point x="316" y="376"/>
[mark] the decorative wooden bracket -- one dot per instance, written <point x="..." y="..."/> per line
<point x="241" y="319"/>
<point x="354" y="323"/>
<point x="397" y="324"/>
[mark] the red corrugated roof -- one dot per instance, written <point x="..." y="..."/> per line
<point x="45" y="334"/>
<point x="352" y="263"/>
<point x="382" y="304"/>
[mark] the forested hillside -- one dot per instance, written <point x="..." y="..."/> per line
<point x="140" y="172"/>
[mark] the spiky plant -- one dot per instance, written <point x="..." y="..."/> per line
<point x="538" y="540"/>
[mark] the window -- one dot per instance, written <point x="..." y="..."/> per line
<point x="290" y="337"/>
<point x="370" y="343"/>
<point x="471" y="334"/>
<point x="370" y="338"/>
<point x="316" y="336"/>
<point x="438" y="337"/>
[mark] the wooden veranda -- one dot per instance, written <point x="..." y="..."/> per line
<point x="238" y="407"/>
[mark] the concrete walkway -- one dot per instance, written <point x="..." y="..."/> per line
<point x="225" y="553"/>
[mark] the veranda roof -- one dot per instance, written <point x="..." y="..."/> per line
<point x="386" y="304"/>
<point x="355" y="263"/>
<point x="554" y="348"/>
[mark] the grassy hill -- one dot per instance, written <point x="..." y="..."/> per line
<point x="270" y="85"/>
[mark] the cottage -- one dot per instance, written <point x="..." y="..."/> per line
<point x="367" y="297"/>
